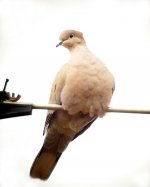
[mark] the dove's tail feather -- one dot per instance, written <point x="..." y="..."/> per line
<point x="44" y="164"/>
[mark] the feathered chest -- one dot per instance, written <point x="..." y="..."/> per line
<point x="88" y="86"/>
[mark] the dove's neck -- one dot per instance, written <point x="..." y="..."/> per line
<point x="80" y="54"/>
<point x="79" y="49"/>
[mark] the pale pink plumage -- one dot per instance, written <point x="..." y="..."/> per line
<point x="84" y="87"/>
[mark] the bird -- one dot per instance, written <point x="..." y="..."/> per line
<point x="84" y="87"/>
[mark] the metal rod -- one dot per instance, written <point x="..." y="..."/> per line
<point x="5" y="84"/>
<point x="59" y="107"/>
<point x="47" y="107"/>
<point x="36" y="106"/>
<point x="133" y="111"/>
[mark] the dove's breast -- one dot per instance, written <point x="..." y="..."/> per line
<point x="88" y="86"/>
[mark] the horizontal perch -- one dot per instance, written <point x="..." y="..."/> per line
<point x="59" y="107"/>
<point x="133" y="111"/>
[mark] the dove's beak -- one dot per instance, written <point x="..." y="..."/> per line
<point x="60" y="43"/>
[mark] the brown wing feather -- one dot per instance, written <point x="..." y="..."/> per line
<point x="85" y="128"/>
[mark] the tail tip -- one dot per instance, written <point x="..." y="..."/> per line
<point x="38" y="175"/>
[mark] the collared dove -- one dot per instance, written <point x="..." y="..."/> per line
<point x="84" y="87"/>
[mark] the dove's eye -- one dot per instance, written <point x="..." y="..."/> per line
<point x="71" y="35"/>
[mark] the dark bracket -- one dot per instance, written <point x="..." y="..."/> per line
<point x="12" y="110"/>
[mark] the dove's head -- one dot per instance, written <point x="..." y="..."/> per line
<point x="70" y="39"/>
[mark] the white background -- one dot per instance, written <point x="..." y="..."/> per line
<point x="115" y="151"/>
